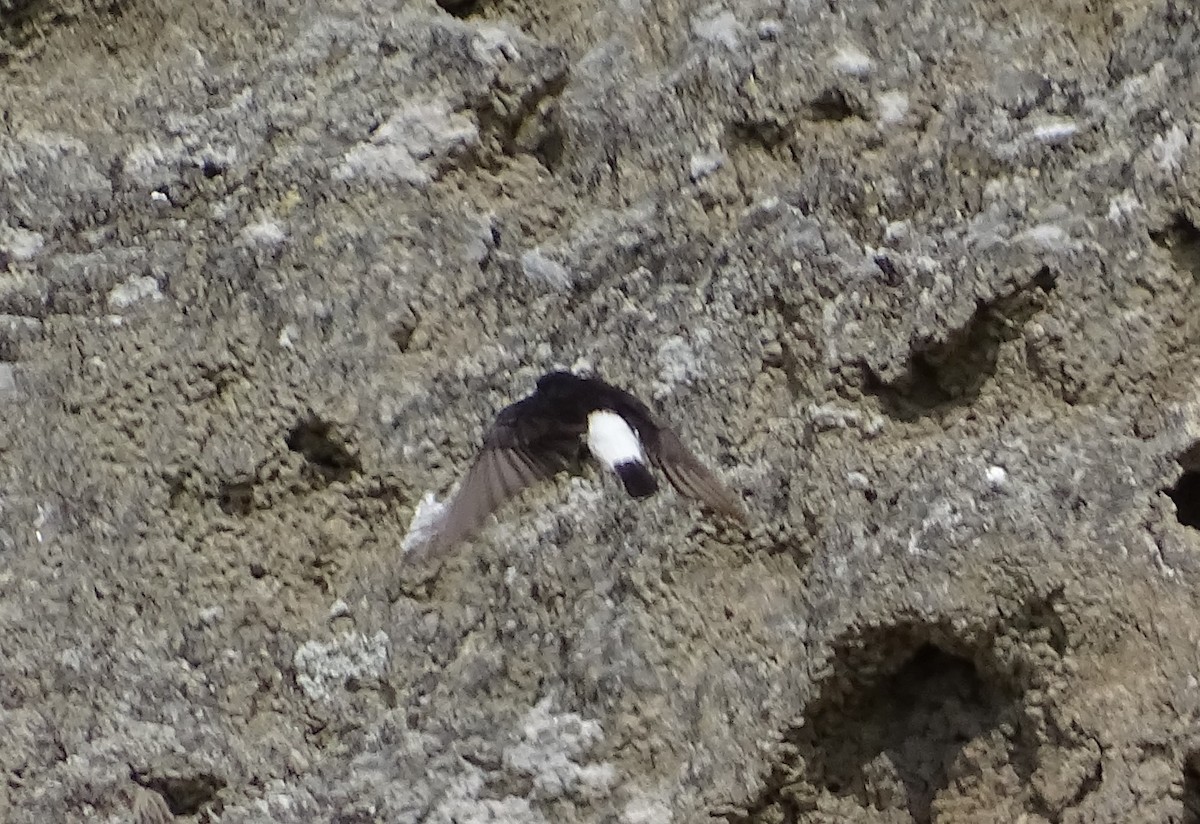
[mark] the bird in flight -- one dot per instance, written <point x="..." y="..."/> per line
<point x="540" y="435"/>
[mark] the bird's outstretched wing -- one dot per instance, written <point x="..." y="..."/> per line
<point x="518" y="451"/>
<point x="688" y="475"/>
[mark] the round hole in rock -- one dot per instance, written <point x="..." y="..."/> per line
<point x="1186" y="492"/>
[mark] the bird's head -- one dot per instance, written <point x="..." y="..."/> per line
<point x="559" y="383"/>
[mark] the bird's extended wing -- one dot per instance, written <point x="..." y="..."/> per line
<point x="518" y="451"/>
<point x="688" y="475"/>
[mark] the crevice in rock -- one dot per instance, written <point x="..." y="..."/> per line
<point x="912" y="715"/>
<point x="1191" y="788"/>
<point x="327" y="456"/>
<point x="182" y="488"/>
<point x="402" y="324"/>
<point x="953" y="372"/>
<point x="765" y="134"/>
<point x="885" y="732"/>
<point x="236" y="498"/>
<point x="461" y="9"/>
<point x="550" y="144"/>
<point x="184" y="794"/>
<point x="831" y="106"/>
<point x="523" y="121"/>
<point x="212" y="168"/>
<point x="892" y="276"/>
<point x="1181" y="239"/>
<point x="24" y="23"/>
<point x="1186" y="491"/>
<point x="896" y="721"/>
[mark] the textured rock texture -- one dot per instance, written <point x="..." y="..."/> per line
<point x="921" y="278"/>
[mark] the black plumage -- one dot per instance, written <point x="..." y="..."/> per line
<point x="542" y="434"/>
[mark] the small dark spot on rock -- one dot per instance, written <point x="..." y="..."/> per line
<point x="765" y="134"/>
<point x="354" y="817"/>
<point x="1045" y="279"/>
<point x="326" y="453"/>
<point x="831" y="105"/>
<point x="236" y="498"/>
<point x="257" y="570"/>
<point x="185" y="795"/>
<point x="952" y="372"/>
<point x="460" y="8"/>
<point x="402" y="325"/>
<point x="550" y="148"/>
<point x="1181" y="238"/>
<point x="891" y="276"/>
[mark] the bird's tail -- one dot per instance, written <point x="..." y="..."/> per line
<point x="637" y="478"/>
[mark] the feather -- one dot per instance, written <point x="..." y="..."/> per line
<point x="691" y="477"/>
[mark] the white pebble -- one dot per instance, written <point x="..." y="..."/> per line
<point x="703" y="164"/>
<point x="20" y="244"/>
<point x="893" y="107"/>
<point x="288" y="335"/>
<point x="134" y="289"/>
<point x="852" y="60"/>
<point x="543" y="271"/>
<point x="1054" y="131"/>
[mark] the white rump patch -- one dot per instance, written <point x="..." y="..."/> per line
<point x="426" y="519"/>
<point x="612" y="440"/>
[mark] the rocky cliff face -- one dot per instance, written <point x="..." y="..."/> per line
<point x="922" y="279"/>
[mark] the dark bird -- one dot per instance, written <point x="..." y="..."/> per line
<point x="541" y="435"/>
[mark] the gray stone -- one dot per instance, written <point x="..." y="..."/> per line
<point x="921" y="280"/>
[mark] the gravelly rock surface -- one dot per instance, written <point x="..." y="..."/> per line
<point x="921" y="279"/>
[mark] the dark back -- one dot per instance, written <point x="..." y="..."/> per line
<point x="574" y="397"/>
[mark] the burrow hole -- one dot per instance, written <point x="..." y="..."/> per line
<point x="328" y="456"/>
<point x="1186" y="492"/>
